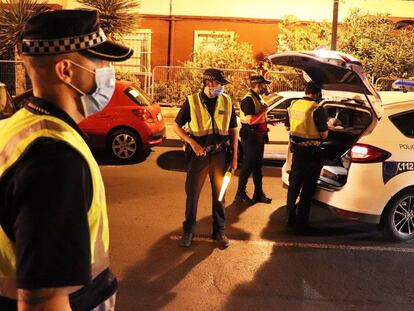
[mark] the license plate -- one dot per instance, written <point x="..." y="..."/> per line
<point x="159" y="117"/>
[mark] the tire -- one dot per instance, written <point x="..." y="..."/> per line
<point x="398" y="217"/>
<point x="125" y="145"/>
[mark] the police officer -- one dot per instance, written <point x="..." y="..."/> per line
<point x="253" y="134"/>
<point x="213" y="131"/>
<point x="54" y="235"/>
<point x="307" y="123"/>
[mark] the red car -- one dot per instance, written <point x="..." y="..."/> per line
<point x="129" y="124"/>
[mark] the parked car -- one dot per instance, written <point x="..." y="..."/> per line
<point x="368" y="160"/>
<point x="129" y="124"/>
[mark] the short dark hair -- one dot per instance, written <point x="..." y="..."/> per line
<point x="312" y="88"/>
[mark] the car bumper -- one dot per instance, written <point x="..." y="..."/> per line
<point x="363" y="197"/>
<point x="157" y="138"/>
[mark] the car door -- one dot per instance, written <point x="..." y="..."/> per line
<point x="276" y="148"/>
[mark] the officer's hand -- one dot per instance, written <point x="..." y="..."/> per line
<point x="198" y="150"/>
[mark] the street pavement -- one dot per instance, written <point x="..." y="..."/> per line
<point x="345" y="266"/>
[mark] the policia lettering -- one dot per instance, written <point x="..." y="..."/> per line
<point x="19" y="132"/>
<point x="202" y="123"/>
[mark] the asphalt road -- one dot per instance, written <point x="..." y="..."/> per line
<point x="346" y="266"/>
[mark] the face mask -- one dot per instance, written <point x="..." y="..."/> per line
<point x="105" y="87"/>
<point x="264" y="91"/>
<point x="217" y="91"/>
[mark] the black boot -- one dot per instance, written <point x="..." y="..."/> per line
<point x="242" y="197"/>
<point x="260" y="197"/>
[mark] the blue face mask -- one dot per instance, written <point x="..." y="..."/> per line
<point x="100" y="97"/>
<point x="217" y="91"/>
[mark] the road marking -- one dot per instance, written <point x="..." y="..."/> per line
<point x="307" y="245"/>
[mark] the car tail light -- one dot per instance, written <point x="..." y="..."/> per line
<point x="363" y="153"/>
<point x="144" y="114"/>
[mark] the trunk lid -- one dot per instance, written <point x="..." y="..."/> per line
<point x="334" y="71"/>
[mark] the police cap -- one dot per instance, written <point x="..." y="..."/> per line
<point x="215" y="75"/>
<point x="65" y="31"/>
<point x="259" y="79"/>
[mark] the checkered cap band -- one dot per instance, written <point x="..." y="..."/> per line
<point x="63" y="45"/>
<point x="209" y="77"/>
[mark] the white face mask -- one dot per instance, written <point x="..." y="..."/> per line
<point x="105" y="87"/>
<point x="217" y="91"/>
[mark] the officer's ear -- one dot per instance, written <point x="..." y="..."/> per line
<point x="64" y="70"/>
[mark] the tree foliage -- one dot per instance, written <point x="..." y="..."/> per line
<point x="296" y="36"/>
<point x="13" y="16"/>
<point x="116" y="17"/>
<point x="227" y="54"/>
<point x="383" y="50"/>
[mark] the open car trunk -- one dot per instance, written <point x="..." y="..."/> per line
<point x="347" y="122"/>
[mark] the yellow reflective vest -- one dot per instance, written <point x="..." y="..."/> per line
<point x="301" y="119"/>
<point x="259" y="106"/>
<point x="18" y="133"/>
<point x="202" y="124"/>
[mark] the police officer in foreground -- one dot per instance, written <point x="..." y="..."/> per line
<point x="211" y="149"/>
<point x="253" y="135"/>
<point x="307" y="124"/>
<point x="54" y="235"/>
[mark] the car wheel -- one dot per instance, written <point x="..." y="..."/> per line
<point x="125" y="145"/>
<point x="398" y="218"/>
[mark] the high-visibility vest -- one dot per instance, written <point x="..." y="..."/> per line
<point x="202" y="124"/>
<point x="259" y="106"/>
<point x="301" y="119"/>
<point x="16" y="136"/>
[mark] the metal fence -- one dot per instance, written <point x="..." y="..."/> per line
<point x="171" y="84"/>
<point x="384" y="84"/>
<point x="13" y="74"/>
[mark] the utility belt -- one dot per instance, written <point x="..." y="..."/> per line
<point x="223" y="146"/>
<point x="307" y="143"/>
<point x="256" y="131"/>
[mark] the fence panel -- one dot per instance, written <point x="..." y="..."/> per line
<point x="171" y="84"/>
<point x="13" y="74"/>
<point x="285" y="81"/>
<point x="134" y="73"/>
<point x="384" y="84"/>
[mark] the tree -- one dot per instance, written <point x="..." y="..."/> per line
<point x="116" y="17"/>
<point x="299" y="36"/>
<point x="383" y="50"/>
<point x="227" y="53"/>
<point x="13" y="16"/>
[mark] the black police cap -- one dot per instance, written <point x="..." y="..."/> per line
<point x="216" y="75"/>
<point x="312" y="88"/>
<point x="259" y="79"/>
<point x="65" y="31"/>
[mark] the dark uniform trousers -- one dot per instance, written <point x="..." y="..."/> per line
<point x="253" y="148"/>
<point x="303" y="178"/>
<point x="214" y="165"/>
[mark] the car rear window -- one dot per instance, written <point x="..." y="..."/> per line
<point x="404" y="123"/>
<point x="138" y="96"/>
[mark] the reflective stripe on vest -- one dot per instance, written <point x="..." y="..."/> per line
<point x="17" y="134"/>
<point x="258" y="107"/>
<point x="201" y="122"/>
<point x="301" y="119"/>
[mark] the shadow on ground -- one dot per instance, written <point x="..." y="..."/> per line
<point x="167" y="264"/>
<point x="312" y="278"/>
<point x="106" y="158"/>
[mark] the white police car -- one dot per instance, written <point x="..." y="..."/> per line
<point x="368" y="172"/>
